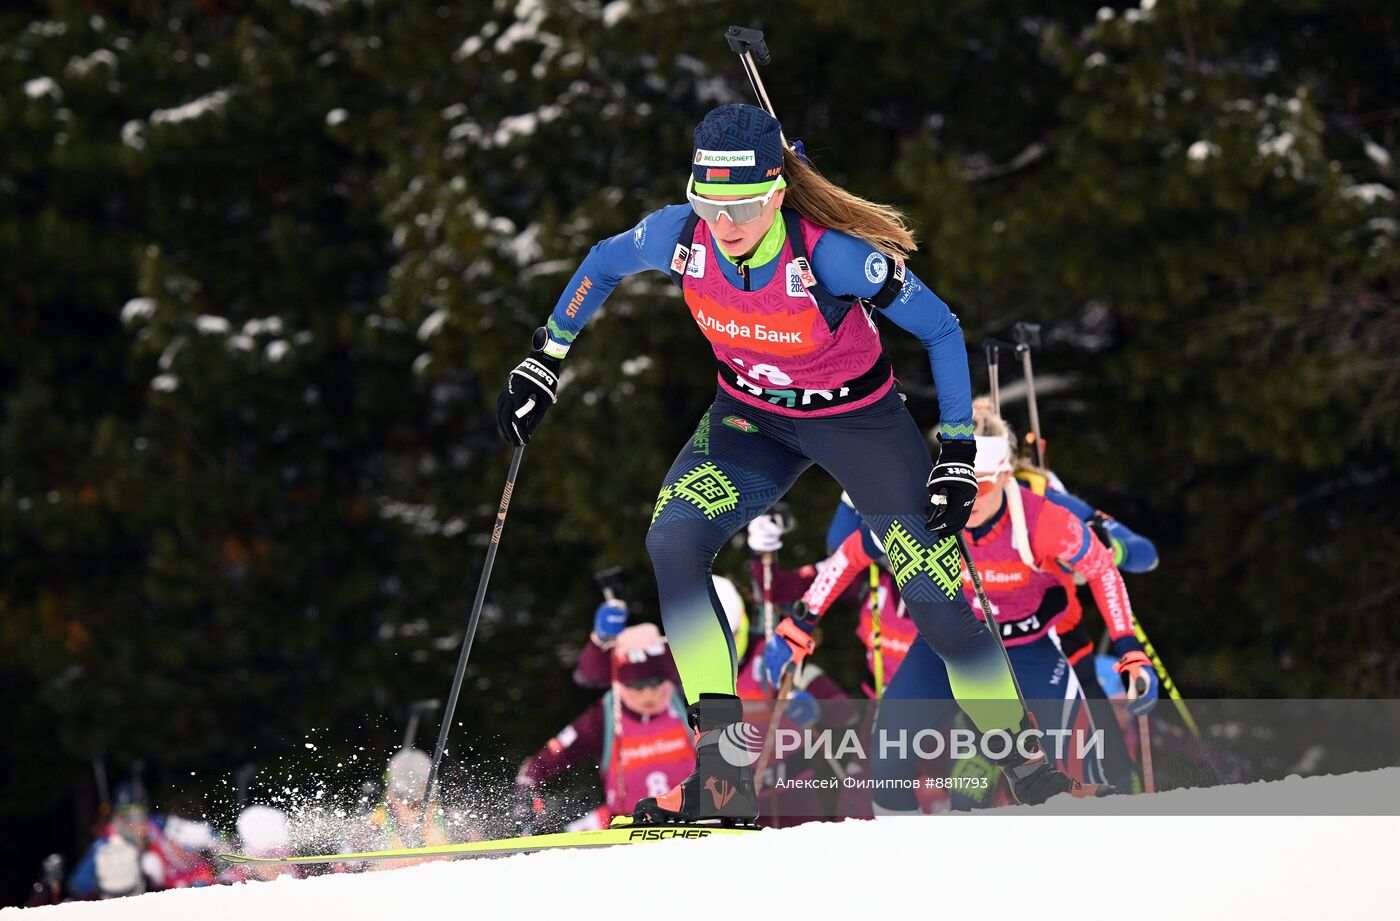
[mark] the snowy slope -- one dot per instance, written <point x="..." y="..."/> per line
<point x="994" y="865"/>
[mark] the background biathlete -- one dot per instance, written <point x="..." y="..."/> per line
<point x="1022" y="543"/>
<point x="788" y="299"/>
<point x="636" y="733"/>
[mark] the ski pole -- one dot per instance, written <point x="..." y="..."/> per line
<point x="877" y="646"/>
<point x="471" y="626"/>
<point x="752" y="50"/>
<point x="767" y="604"/>
<point x="1172" y="691"/>
<point x="990" y="617"/>
<point x="1027" y="336"/>
<point x="619" y="779"/>
<point x="779" y="706"/>
<point x="610" y="581"/>
<point x="416" y="711"/>
<point x="993" y="349"/>
<point x="1149" y="782"/>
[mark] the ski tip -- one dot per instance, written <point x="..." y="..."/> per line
<point x="233" y="858"/>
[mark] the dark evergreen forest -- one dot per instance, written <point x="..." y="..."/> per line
<point x="264" y="266"/>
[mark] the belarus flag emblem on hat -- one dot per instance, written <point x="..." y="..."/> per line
<point x="716" y="175"/>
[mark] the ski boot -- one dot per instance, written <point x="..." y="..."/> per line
<point x="721" y="791"/>
<point x="1033" y="777"/>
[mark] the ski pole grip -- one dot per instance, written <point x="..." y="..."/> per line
<point x="993" y="350"/>
<point x="1027" y="334"/>
<point x="748" y="41"/>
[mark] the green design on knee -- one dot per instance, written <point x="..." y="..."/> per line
<point x="908" y="558"/>
<point x="705" y="487"/>
<point x="945" y="565"/>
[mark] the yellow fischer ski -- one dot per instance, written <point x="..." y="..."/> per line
<point x="622" y="832"/>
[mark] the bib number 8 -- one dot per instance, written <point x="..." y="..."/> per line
<point x="657" y="783"/>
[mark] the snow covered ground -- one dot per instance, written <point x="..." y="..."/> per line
<point x="1176" y="863"/>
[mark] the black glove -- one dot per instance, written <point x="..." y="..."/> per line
<point x="952" y="487"/>
<point x="529" y="392"/>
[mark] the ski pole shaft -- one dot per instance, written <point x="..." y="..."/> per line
<point x="993" y="351"/>
<point x="1027" y="336"/>
<point x="619" y="779"/>
<point x="779" y="706"/>
<point x="752" y="50"/>
<point x="1032" y="406"/>
<point x="1149" y="782"/>
<point x="990" y="617"/>
<point x="877" y="645"/>
<point x="104" y="792"/>
<point x="767" y="603"/>
<point x="471" y="631"/>
<point x="1172" y="691"/>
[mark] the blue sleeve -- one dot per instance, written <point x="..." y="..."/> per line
<point x="850" y="266"/>
<point x="82" y="882"/>
<point x="842" y="524"/>
<point x="1131" y="551"/>
<point x="1139" y="554"/>
<point x="1077" y="506"/>
<point x="649" y="245"/>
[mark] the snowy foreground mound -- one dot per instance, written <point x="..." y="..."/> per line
<point x="1305" y="850"/>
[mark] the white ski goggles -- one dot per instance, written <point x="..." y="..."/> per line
<point x="739" y="211"/>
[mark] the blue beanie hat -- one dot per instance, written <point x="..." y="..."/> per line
<point x="738" y="151"/>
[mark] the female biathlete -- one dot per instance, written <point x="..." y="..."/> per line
<point x="788" y="297"/>
<point x="635" y="733"/>
<point x="1025" y="547"/>
<point x="852" y="551"/>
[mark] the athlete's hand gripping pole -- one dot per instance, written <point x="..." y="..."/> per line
<point x="783" y="655"/>
<point x="952" y="487"/>
<point x="766" y="538"/>
<point x="780" y="700"/>
<point x="529" y="391"/>
<point x="471" y="632"/>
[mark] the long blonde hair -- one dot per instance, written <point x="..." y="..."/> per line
<point x="989" y="424"/>
<point x="823" y="202"/>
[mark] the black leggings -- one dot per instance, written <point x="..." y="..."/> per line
<point x="740" y="461"/>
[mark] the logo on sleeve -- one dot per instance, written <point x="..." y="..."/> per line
<point x="804" y="271"/>
<point x="876" y="268"/>
<point x="639" y="235"/>
<point x="680" y="258"/>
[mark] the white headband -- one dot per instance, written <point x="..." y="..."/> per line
<point x="993" y="455"/>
